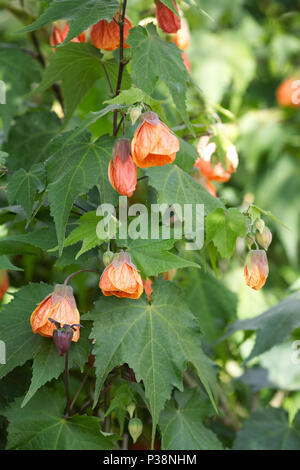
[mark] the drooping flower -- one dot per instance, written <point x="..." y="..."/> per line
<point x="153" y="143"/>
<point x="288" y="93"/>
<point x="61" y="307"/>
<point x="58" y="35"/>
<point x="264" y="237"/>
<point x="122" y="171"/>
<point x="106" y="35"/>
<point x="167" y="20"/>
<point x="121" y="278"/>
<point x="182" y="37"/>
<point x="4" y="283"/>
<point x="148" y="288"/>
<point x="256" y="269"/>
<point x="215" y="172"/>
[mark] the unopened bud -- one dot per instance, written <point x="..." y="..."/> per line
<point x="108" y="256"/>
<point x="135" y="114"/>
<point x="62" y="336"/>
<point x="260" y="225"/>
<point x="264" y="238"/>
<point x="131" y="409"/>
<point x="249" y="241"/>
<point x="135" y="428"/>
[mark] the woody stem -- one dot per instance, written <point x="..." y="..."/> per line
<point x="78" y="272"/>
<point x="121" y="63"/>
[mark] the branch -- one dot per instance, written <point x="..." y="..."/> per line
<point x="121" y="64"/>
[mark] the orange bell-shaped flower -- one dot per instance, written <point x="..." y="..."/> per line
<point x="60" y="306"/>
<point x="121" y="278"/>
<point x="58" y="35"/>
<point x="182" y="37"/>
<point x="256" y="269"/>
<point x="153" y="143"/>
<point x="168" y="21"/>
<point x="122" y="171"/>
<point x="288" y="93"/>
<point x="106" y="35"/>
<point x="4" y="283"/>
<point x="203" y="163"/>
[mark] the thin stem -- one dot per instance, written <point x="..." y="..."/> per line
<point x="68" y="410"/>
<point x="121" y="64"/>
<point x="142" y="177"/>
<point x="80" y="207"/>
<point x="80" y="388"/>
<point x="108" y="78"/>
<point x="78" y="272"/>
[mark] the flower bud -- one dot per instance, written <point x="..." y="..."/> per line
<point x="168" y="21"/>
<point x="4" y="283"/>
<point x="260" y="225"/>
<point x="135" y="428"/>
<point x="131" y="408"/>
<point x="148" y="288"/>
<point x="256" y="269"/>
<point x="135" y="114"/>
<point x="62" y="337"/>
<point x="108" y="256"/>
<point x="122" y="171"/>
<point x="264" y="238"/>
<point x="169" y="275"/>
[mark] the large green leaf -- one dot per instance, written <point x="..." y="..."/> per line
<point x="77" y="66"/>
<point x="176" y="186"/>
<point x="273" y="326"/>
<point x="269" y="429"/>
<point x="81" y="14"/>
<point x="154" y="58"/>
<point x="210" y="301"/>
<point x="44" y="238"/>
<point x="75" y="166"/>
<point x="41" y="425"/>
<point x="5" y="263"/>
<point x="23" y="186"/>
<point x="156" y="341"/>
<point x="152" y="256"/>
<point x="48" y="365"/>
<point x="19" y="71"/>
<point x="223" y="227"/>
<point x="85" y="232"/>
<point x="186" y="156"/>
<point x="181" y="423"/>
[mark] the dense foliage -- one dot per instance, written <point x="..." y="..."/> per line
<point x="173" y="350"/>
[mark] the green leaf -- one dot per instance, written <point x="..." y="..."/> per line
<point x="181" y="423"/>
<point x="186" y="156"/>
<point x="41" y="425"/>
<point x="170" y="5"/>
<point x="44" y="238"/>
<point x="223" y="227"/>
<point x="75" y="166"/>
<point x="176" y="186"/>
<point x="152" y="256"/>
<point x="48" y="365"/>
<point x="23" y="186"/>
<point x="77" y="66"/>
<point x="15" y="330"/>
<point x="81" y="14"/>
<point x="155" y="340"/>
<point x="269" y="429"/>
<point x="273" y="326"/>
<point x="210" y="301"/>
<point x="85" y="233"/>
<point x="18" y="71"/>
<point x="133" y="95"/>
<point x="29" y="137"/>
<point x="6" y="264"/>
<point x="153" y="58"/>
